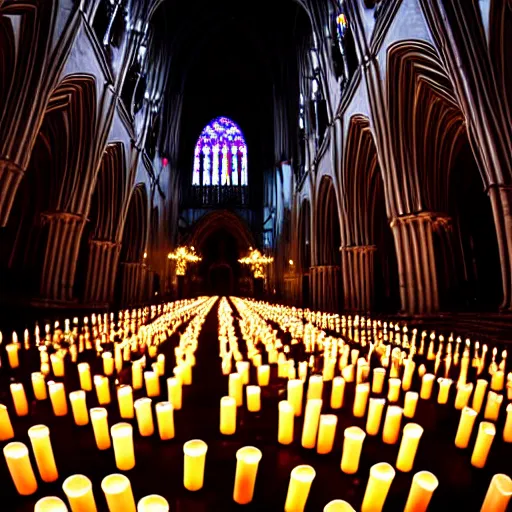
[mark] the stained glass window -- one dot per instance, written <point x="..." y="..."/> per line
<point x="220" y="156"/>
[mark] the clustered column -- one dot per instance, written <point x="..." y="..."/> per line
<point x="101" y="271"/>
<point x="357" y="263"/>
<point x="325" y="287"/>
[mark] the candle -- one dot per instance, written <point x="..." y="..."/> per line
<point x="39" y="386"/>
<point x="423" y="486"/>
<point x="57" y="365"/>
<point x="12" y="354"/>
<point x="152" y="384"/>
<point x="379" y="374"/>
<point x="165" y="420"/>
<point x="338" y="506"/>
<point x="100" y="427"/>
<point x="411" y="401"/>
<point x="498" y="380"/>
<point x="486" y="433"/>
<point x="19" y="399"/>
<point x="408" y="447"/>
<point x="352" y="447"/>
<point x="227" y="415"/>
<point x="248" y="459"/>
<point x="301" y="479"/>
<point x="153" y="503"/>
<point x="122" y="439"/>
<point x="391" y="430"/>
<point x="315" y="387"/>
<point x="144" y="416"/>
<point x="463" y="393"/>
<point x="479" y="396"/>
<point x="58" y="398"/>
<point x="326" y="433"/>
<point x="195" y="458"/>
<point x="18" y="463"/>
<point x="467" y="420"/>
<point x="375" y="411"/>
<point x="108" y="363"/>
<point x="235" y="386"/>
<point x="337" y="392"/>
<point x="507" y="429"/>
<point x="50" y="504"/>
<point x="137" y="375"/>
<point x="242" y="368"/>
<point x="311" y="422"/>
<point x="263" y="375"/>
<point x="78" y="490"/>
<point x="409" y="368"/>
<point x="118" y="492"/>
<point x="84" y="374"/>
<point x="42" y="447"/>
<point x="102" y="385"/>
<point x="498" y="495"/>
<point x="159" y="366"/>
<point x="444" y="390"/>
<point x="427" y="383"/>
<point x="394" y="390"/>
<point x="361" y="399"/>
<point x="295" y="389"/>
<point x="6" y="430"/>
<point x="492" y="407"/>
<point x="174" y="392"/>
<point x="348" y="373"/>
<point x="125" y="401"/>
<point x="79" y="407"/>
<point x="253" y="398"/>
<point x="286" y="422"/>
<point x="381" y="476"/>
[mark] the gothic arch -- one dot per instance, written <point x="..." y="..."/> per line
<point x="304" y="252"/>
<point x="135" y="230"/>
<point x="328" y="232"/>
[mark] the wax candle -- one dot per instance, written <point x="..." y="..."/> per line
<point x="486" y="433"/>
<point x="174" y="392"/>
<point x="242" y="368"/>
<point x="144" y="416"/>
<point x="118" y="492"/>
<point x="102" y="385"/>
<point x="248" y="459"/>
<point x="498" y="380"/>
<point x="507" y="429"/>
<point x="178" y="373"/>
<point x="137" y="375"/>
<point x="12" y="355"/>
<point x="79" y="407"/>
<point x="337" y="392"/>
<point x="361" y="399"/>
<point x="394" y="389"/>
<point x="122" y="439"/>
<point x="286" y="422"/>
<point x="379" y="374"/>
<point x="18" y="463"/>
<point x="6" y="430"/>
<point x="391" y="430"/>
<point x="43" y="453"/>
<point x="263" y="375"/>
<point x="227" y="415"/>
<point x="498" y="495"/>
<point x="479" y="396"/>
<point x="412" y="433"/>
<point x="409" y="368"/>
<point x="165" y="420"/>
<point x="427" y="384"/>
<point x="326" y="433"/>
<point x="463" y="393"/>
<point x="195" y="458"/>
<point x="253" y="398"/>
<point x="493" y="405"/>
<point x="295" y="391"/>
<point x="84" y="374"/>
<point x="301" y="479"/>
<point x="466" y="423"/>
<point x="410" y="403"/>
<point x="78" y="490"/>
<point x="338" y="506"/>
<point x="444" y="390"/>
<point x="152" y="384"/>
<point x="375" y="411"/>
<point x="50" y="504"/>
<point x="19" y="399"/>
<point x="153" y="503"/>
<point x="108" y="363"/>
<point x="352" y="447"/>
<point x="315" y="387"/>
<point x="348" y="373"/>
<point x="58" y="398"/>
<point x="423" y="486"/>
<point x="303" y="370"/>
<point x="381" y="476"/>
<point x="125" y="401"/>
<point x="39" y="386"/>
<point x="160" y="365"/>
<point x="311" y="422"/>
<point x="236" y="388"/>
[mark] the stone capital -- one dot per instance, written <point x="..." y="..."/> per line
<point x="359" y="248"/>
<point x="435" y="218"/>
<point x="65" y="217"/>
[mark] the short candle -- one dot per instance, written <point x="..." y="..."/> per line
<point x="361" y="399"/>
<point x="100" y="427"/>
<point x="381" y="476"/>
<point x="326" y="433"/>
<point x="352" y="447"/>
<point x="253" y="398"/>
<point x="195" y="458"/>
<point x="227" y="415"/>
<point x="144" y="416"/>
<point x="286" y="423"/>
<point x="79" y="407"/>
<point x="486" y="433"/>
<point x="248" y="459"/>
<point x="174" y="392"/>
<point x="165" y="420"/>
<point x="423" y="486"/>
<point x="78" y="490"/>
<point x="20" y="468"/>
<point x="412" y="433"/>
<point x="391" y="430"/>
<point x="58" y="398"/>
<point x="122" y="439"/>
<point x="19" y="399"/>
<point x="337" y="392"/>
<point x="465" y="428"/>
<point x="311" y="422"/>
<point x="118" y="492"/>
<point x="301" y="479"/>
<point x="375" y="410"/>
<point x="295" y="389"/>
<point x="125" y="401"/>
<point x="43" y="453"/>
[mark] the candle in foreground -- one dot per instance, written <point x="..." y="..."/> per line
<point x="253" y="398"/>
<point x="84" y="374"/>
<point x="337" y="392"/>
<point x="79" y="407"/>
<point x="352" y="447"/>
<point x="444" y="390"/>
<point x="394" y="386"/>
<point x="19" y="399"/>
<point x="118" y="492"/>
<point x="315" y="387"/>
<point x="391" y="429"/>
<point x="227" y="415"/>
<point x="301" y="479"/>
<point x="423" y="486"/>
<point x="465" y="428"/>
<point x="486" y="433"/>
<point x="493" y="405"/>
<point x="101" y="383"/>
<point x="361" y="399"/>
<point x="174" y="392"/>
<point x="152" y="384"/>
<point x="144" y="416"/>
<point x="50" y="504"/>
<point x="6" y="430"/>
<point x="78" y="490"/>
<point x="193" y="469"/>
<point x="12" y="354"/>
<point x="375" y="411"/>
<point x="165" y="420"/>
<point x="18" y="463"/>
<point x="248" y="459"/>
<point x="263" y="375"/>
<point x="379" y="374"/>
<point x="326" y="433"/>
<point x="100" y="427"/>
<point x="427" y="384"/>
<point x="153" y="503"/>
<point x="122" y="439"/>
<point x="463" y="393"/>
<point x="43" y="453"/>
<point x="498" y="495"/>
<point x="408" y="447"/>
<point x="339" y="506"/>
<point x="311" y="422"/>
<point x="125" y="401"/>
<point x="286" y="422"/>
<point x="479" y="396"/>
<point x="410" y="404"/>
<point x="58" y="398"/>
<point x="381" y="476"/>
<point x="236" y="388"/>
<point x="39" y="386"/>
<point x="295" y="389"/>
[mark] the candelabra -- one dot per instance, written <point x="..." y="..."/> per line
<point x="183" y="256"/>
<point x="257" y="262"/>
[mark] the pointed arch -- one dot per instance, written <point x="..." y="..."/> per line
<point x="305" y="236"/>
<point x="135" y="229"/>
<point x="327" y="224"/>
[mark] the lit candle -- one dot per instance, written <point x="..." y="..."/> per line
<point x="409" y="368"/>
<point x="12" y="354"/>
<point x="125" y="401"/>
<point x="486" y="433"/>
<point x="337" y="392"/>
<point x="78" y="490"/>
<point x="153" y="503"/>
<point x="144" y="416"/>
<point x="57" y="365"/>
<point x="391" y="430"/>
<point x="427" y="383"/>
<point x="227" y="415"/>
<point x="42" y="447"/>
<point x="39" y="386"/>
<point x="301" y="479"/>
<point x="315" y="387"/>
<point x="375" y="411"/>
<point x="394" y="389"/>
<point x="295" y="391"/>
<point x="326" y="433"/>
<point x="242" y="368"/>
<point x="338" y="506"/>
<point x="137" y="375"/>
<point x="408" y="447"/>
<point x="102" y="385"/>
<point x="311" y="422"/>
<point x="381" y="476"/>
<point x="361" y="399"/>
<point x="498" y="495"/>
<point x="423" y="486"/>
<point x="248" y="459"/>
<point x="263" y="375"/>
<point x="19" y="399"/>
<point x="118" y="492"/>
<point x="479" y="396"/>
<point x="58" y="398"/>
<point x="379" y="374"/>
<point x="286" y="422"/>
<point x="152" y="384"/>
<point x="195" y="458"/>
<point x="84" y="374"/>
<point x="411" y="401"/>
<point x="165" y="420"/>
<point x="253" y="398"/>
<point x="108" y="363"/>
<point x="493" y="405"/>
<point x="18" y="463"/>
<point x="498" y="380"/>
<point x="352" y="448"/>
<point x="463" y="393"/>
<point x="444" y="390"/>
<point x="50" y="504"/>
<point x="6" y="430"/>
<point x="79" y="407"/>
<point x="122" y="439"/>
<point x="174" y="392"/>
<point x="100" y="427"/>
<point x="466" y="423"/>
<point x="235" y="386"/>
<point x="507" y="429"/>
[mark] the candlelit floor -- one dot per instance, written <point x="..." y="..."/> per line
<point x="159" y="465"/>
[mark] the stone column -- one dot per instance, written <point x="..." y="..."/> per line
<point x="101" y="271"/>
<point x="10" y="178"/>
<point x="324" y="287"/>
<point x="132" y="282"/>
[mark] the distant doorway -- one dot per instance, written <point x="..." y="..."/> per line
<point x="220" y="279"/>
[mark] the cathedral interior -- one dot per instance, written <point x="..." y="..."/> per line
<point x="255" y="255"/>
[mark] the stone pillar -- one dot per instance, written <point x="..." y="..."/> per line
<point x="132" y="282"/>
<point x="10" y="178"/>
<point x="101" y="271"/>
<point x="324" y="287"/>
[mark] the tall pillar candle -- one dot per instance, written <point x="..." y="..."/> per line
<point x="479" y="396"/>
<point x="102" y="385"/>
<point x="58" y="398"/>
<point x="379" y="375"/>
<point x="19" y="399"/>
<point x="326" y="433"/>
<point x="412" y="433"/>
<point x="377" y="488"/>
<point x="391" y="430"/>
<point x="236" y="388"/>
<point x="39" y="386"/>
<point x="361" y="399"/>
<point x="50" y="504"/>
<point x="153" y="503"/>
<point x="263" y="375"/>
<point x="253" y="398"/>
<point x="78" y="491"/>
<point x="165" y="420"/>
<point x="311" y="422"/>
<point x="352" y="448"/>
<point x="144" y="416"/>
<point x="124" y="452"/>
<point x="227" y="415"/>
<point x="286" y="422"/>
<point x="375" y="410"/>
<point x="248" y="459"/>
<point x="118" y="493"/>
<point x="294" y="395"/>
<point x="6" y="430"/>
<point x="84" y="374"/>
<point x="99" y="422"/>
<point x="18" y="463"/>
<point x="137" y="375"/>
<point x="410" y="404"/>
<point x="507" y="429"/>
<point x="152" y="384"/>
<point x="463" y="394"/>
<point x="242" y="368"/>
<point x="12" y="355"/>
<point x="174" y="392"/>
<point x="465" y="428"/>
<point x="427" y="384"/>
<point x="301" y="479"/>
<point x="444" y="390"/>
<point x="423" y="486"/>
<point x="79" y="407"/>
<point x="394" y="386"/>
<point x="498" y="495"/>
<point x="108" y="363"/>
<point x="315" y="387"/>
<point x="409" y="368"/>
<point x="193" y="469"/>
<point x="43" y="453"/>
<point x="497" y="380"/>
<point x="57" y="365"/>
<point x="125" y="401"/>
<point x="337" y="392"/>
<point x="493" y="405"/>
<point x="486" y="433"/>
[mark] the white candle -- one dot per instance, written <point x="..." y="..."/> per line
<point x="408" y="447"/>
<point x="174" y="392"/>
<point x="43" y="453"/>
<point x="122" y="439"/>
<point x="193" y="469"/>
<point x="118" y="492"/>
<point x="253" y="398"/>
<point x="78" y="490"/>
<point x="423" y="485"/>
<point x="326" y="433"/>
<point x="498" y="495"/>
<point x="486" y="433"/>
<point x="227" y="415"/>
<point x="248" y="459"/>
<point x="286" y="423"/>
<point x="50" y="504"/>
<point x="18" y="463"/>
<point x="311" y="422"/>
<point x="301" y="479"/>
<point x="165" y="420"/>
<point x="263" y="375"/>
<point x="391" y="430"/>
<point x="125" y="402"/>
<point x="381" y="476"/>
<point x="153" y="503"/>
<point x="352" y="448"/>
